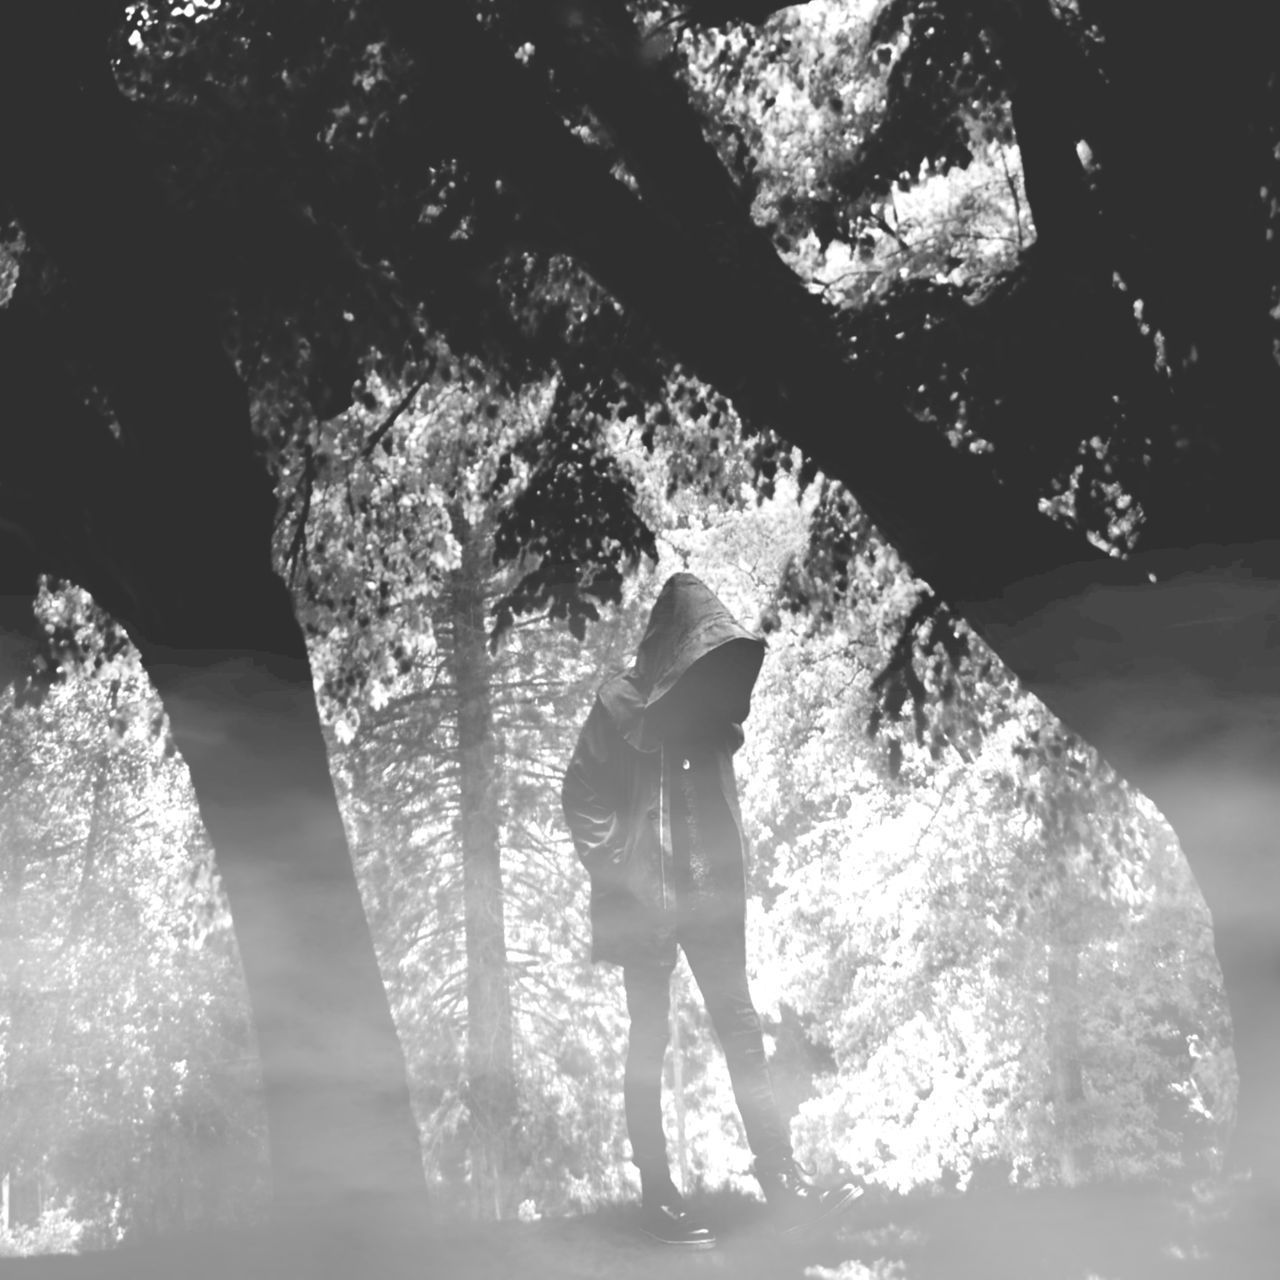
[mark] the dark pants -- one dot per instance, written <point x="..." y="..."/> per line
<point x="717" y="958"/>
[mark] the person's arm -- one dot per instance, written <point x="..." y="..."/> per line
<point x="590" y="793"/>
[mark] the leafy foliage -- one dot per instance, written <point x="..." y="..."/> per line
<point x="127" y="1056"/>
<point x="576" y="514"/>
<point x="945" y="917"/>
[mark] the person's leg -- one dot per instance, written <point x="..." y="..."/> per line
<point x="648" y="991"/>
<point x="717" y="956"/>
<point x="664" y="1215"/>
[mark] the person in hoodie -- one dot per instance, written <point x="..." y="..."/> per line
<point x="651" y="801"/>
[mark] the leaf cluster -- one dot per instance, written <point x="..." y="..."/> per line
<point x="573" y="526"/>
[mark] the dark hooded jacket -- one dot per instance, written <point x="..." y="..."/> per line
<point x="650" y="795"/>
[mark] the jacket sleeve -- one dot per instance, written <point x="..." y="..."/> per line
<point x="590" y="794"/>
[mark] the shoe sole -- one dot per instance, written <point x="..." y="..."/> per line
<point x="708" y="1243"/>
<point x="828" y="1213"/>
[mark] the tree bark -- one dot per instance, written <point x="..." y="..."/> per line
<point x="342" y="1136"/>
<point x="677" y="1079"/>
<point x="1066" y="1074"/>
<point x="230" y="664"/>
<point x="1224" y="806"/>
<point x="718" y="296"/>
<point x="491" y="1086"/>
<point x="17" y="1109"/>
<point x="1178" y="685"/>
<point x="231" y="667"/>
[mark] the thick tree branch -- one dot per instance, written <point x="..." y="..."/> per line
<point x="1185" y="151"/>
<point x="1033" y="589"/>
<point x="1044" y="91"/>
<point x="83" y="190"/>
<point x="715" y="13"/>
<point x="735" y="314"/>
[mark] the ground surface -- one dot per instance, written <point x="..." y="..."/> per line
<point x="1100" y="1234"/>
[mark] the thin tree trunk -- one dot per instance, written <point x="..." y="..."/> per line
<point x="677" y="1083"/>
<point x="16" y="1099"/>
<point x="491" y="1088"/>
<point x="92" y="841"/>
<point x="1066" y="1075"/>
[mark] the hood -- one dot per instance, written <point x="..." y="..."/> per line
<point x="694" y="668"/>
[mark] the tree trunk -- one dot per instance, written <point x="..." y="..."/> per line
<point x="491" y="1090"/>
<point x="677" y="1080"/>
<point x="1178" y="684"/>
<point x="174" y="538"/>
<point x="1225" y="810"/>
<point x="1066" y="1076"/>
<point x="343" y="1140"/>
<point x="20" y="1210"/>
<point x="92" y="849"/>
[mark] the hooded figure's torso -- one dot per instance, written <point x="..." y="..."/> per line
<point x="650" y="794"/>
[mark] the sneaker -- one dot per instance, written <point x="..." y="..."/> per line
<point x="796" y="1203"/>
<point x="665" y="1217"/>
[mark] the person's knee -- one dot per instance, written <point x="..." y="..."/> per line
<point x="647" y="1039"/>
<point x="746" y="1035"/>
<point x="649" y="1030"/>
<point x="734" y="1018"/>
<point x="648" y="993"/>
